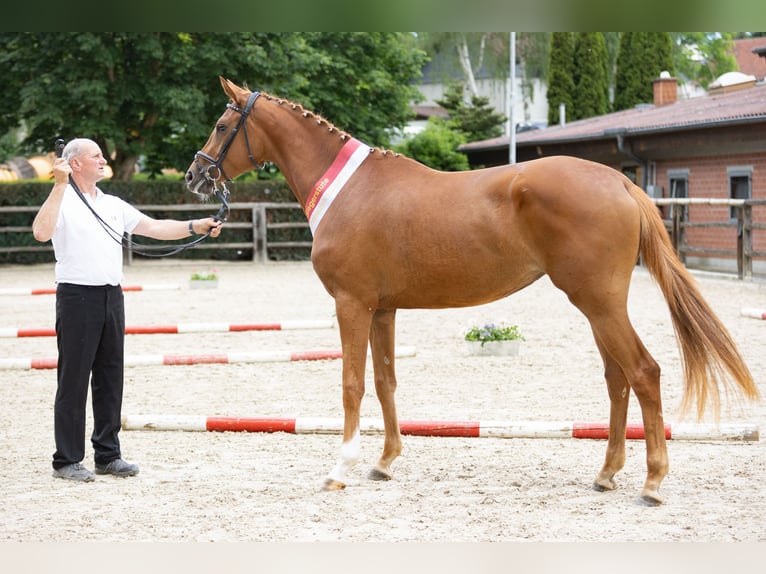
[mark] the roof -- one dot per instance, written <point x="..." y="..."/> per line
<point x="741" y="106"/>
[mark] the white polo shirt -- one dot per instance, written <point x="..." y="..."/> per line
<point x="85" y="252"/>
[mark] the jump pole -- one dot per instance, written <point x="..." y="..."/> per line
<point x="186" y="328"/>
<point x="52" y="290"/>
<point x="754" y="313"/>
<point x="220" y="358"/>
<point x="464" y="429"/>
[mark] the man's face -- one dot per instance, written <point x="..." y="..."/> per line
<point x="90" y="164"/>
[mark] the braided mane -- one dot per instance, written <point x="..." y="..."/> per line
<point x="318" y="119"/>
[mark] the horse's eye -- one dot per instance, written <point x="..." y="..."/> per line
<point x="220" y="128"/>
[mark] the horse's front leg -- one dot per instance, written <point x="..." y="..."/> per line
<point x="382" y="339"/>
<point x="354" y="324"/>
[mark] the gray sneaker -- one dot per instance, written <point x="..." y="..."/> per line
<point x="74" y="471"/>
<point x="117" y="467"/>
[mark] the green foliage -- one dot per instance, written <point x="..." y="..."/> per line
<point x="436" y="146"/>
<point x="362" y="81"/>
<point x="477" y="120"/>
<point x="156" y="95"/>
<point x="590" y="76"/>
<point x="703" y="56"/>
<point x="494" y="332"/>
<point x="641" y="58"/>
<point x="560" y="80"/>
<point x="211" y="275"/>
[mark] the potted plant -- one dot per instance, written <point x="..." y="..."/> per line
<point x="494" y="339"/>
<point x="204" y="279"/>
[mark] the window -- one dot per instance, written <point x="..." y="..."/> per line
<point x="678" y="184"/>
<point x="739" y="185"/>
<point x="631" y="172"/>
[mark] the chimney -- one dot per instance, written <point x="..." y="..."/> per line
<point x="665" y="89"/>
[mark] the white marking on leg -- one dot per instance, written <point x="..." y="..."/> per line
<point x="349" y="455"/>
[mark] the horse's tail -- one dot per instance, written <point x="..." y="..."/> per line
<point x="709" y="355"/>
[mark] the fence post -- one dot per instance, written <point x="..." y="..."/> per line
<point x="128" y="250"/>
<point x="680" y="214"/>
<point x="745" y="241"/>
<point x="259" y="233"/>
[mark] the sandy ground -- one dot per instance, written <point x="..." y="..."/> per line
<point x="205" y="486"/>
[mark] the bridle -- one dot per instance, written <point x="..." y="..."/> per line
<point x="217" y="164"/>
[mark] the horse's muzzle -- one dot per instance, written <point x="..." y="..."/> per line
<point x="197" y="183"/>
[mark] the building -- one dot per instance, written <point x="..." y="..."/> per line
<point x="712" y="146"/>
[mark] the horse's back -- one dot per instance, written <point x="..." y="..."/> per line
<point x="426" y="238"/>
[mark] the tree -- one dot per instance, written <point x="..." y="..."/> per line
<point x="590" y="76"/>
<point x="362" y="81"/>
<point x="436" y="146"/>
<point x="156" y="95"/>
<point x="560" y="80"/>
<point x="477" y="120"/>
<point x="472" y="52"/>
<point x="702" y="57"/>
<point x="641" y="58"/>
<point x="467" y="55"/>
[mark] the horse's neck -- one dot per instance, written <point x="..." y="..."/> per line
<point x="300" y="144"/>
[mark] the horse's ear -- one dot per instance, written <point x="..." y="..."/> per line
<point x="228" y="87"/>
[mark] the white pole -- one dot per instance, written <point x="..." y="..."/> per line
<point x="511" y="102"/>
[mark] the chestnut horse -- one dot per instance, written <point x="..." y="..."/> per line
<point x="390" y="233"/>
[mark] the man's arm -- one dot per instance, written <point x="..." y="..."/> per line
<point x="174" y="229"/>
<point x="45" y="221"/>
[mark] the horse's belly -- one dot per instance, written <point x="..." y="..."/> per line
<point x="430" y="288"/>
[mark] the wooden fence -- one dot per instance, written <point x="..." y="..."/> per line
<point x="260" y="221"/>
<point x="680" y="222"/>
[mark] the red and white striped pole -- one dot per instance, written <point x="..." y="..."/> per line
<point x="464" y="429"/>
<point x="186" y="328"/>
<point x="221" y="358"/>
<point x="754" y="313"/>
<point x="52" y="290"/>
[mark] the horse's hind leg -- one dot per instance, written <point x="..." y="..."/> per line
<point x="620" y="342"/>
<point x="382" y="339"/>
<point x="619" y="395"/>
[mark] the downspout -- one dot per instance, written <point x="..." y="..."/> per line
<point x="626" y="151"/>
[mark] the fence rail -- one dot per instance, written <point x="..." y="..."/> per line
<point x="679" y="222"/>
<point x="257" y="218"/>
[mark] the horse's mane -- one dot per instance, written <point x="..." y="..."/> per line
<point x="318" y="119"/>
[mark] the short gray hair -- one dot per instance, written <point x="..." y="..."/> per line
<point x="74" y="148"/>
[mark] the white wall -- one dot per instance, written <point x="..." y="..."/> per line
<point x="534" y="110"/>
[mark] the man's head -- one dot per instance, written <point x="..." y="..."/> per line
<point x="85" y="158"/>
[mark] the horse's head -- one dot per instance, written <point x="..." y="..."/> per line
<point x="224" y="156"/>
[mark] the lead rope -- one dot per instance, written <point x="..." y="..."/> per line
<point x="141" y="249"/>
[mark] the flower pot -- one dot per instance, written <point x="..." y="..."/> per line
<point x="494" y="348"/>
<point x="203" y="283"/>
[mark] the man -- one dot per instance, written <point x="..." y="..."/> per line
<point x="90" y="313"/>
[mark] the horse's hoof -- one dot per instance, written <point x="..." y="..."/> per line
<point x="377" y="474"/>
<point x="604" y="485"/>
<point x="332" y="484"/>
<point x="649" y="498"/>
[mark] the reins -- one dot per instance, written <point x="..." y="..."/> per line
<point x="139" y="248"/>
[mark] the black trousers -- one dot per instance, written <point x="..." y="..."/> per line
<point x="90" y="333"/>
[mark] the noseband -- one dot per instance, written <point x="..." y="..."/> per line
<point x="218" y="172"/>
